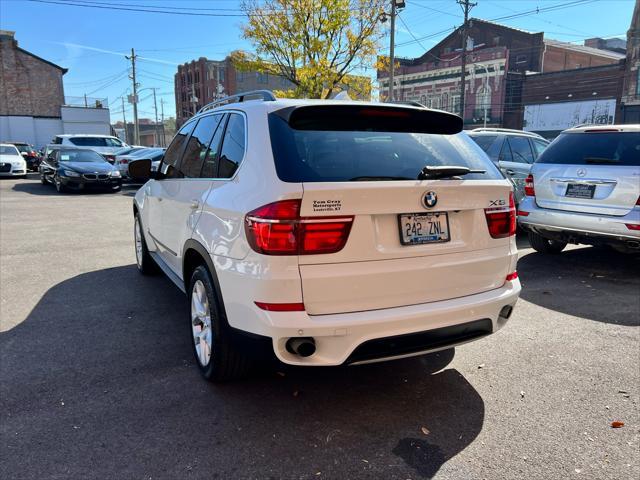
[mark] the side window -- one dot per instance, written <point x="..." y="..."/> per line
<point x="232" y="146"/>
<point x="538" y="147"/>
<point x="211" y="161"/>
<point x="521" y="149"/>
<point x="505" y="153"/>
<point x="173" y="154"/>
<point x="197" y="146"/>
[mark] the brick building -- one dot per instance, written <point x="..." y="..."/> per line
<point x="202" y="81"/>
<point x="498" y="60"/>
<point x="33" y="107"/>
<point x="29" y="85"/>
<point x="630" y="98"/>
<point x="558" y="100"/>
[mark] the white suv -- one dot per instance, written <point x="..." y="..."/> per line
<point x="106" y="145"/>
<point x="337" y="232"/>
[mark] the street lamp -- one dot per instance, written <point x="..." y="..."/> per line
<point x="395" y="5"/>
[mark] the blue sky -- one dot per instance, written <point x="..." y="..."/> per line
<point x="92" y="42"/>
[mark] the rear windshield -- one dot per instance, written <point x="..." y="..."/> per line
<point x="95" y="142"/>
<point x="340" y="156"/>
<point x="606" y="148"/>
<point x="484" y="141"/>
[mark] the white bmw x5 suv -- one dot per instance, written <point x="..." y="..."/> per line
<point x="337" y="232"/>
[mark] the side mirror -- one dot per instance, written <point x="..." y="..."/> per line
<point x="140" y="169"/>
<point x="24" y="154"/>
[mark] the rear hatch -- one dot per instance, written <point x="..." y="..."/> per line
<point x="410" y="241"/>
<point x="591" y="171"/>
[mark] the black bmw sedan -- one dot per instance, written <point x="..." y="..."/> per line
<point x="79" y="169"/>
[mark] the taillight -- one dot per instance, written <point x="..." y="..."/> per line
<point x="278" y="229"/>
<point x="633" y="226"/>
<point x="502" y="220"/>
<point x="512" y="276"/>
<point x="529" y="190"/>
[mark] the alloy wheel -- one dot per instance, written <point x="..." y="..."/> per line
<point x="138" y="239"/>
<point x="201" y="323"/>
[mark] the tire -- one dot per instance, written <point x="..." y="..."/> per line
<point x="217" y="356"/>
<point x="43" y="181"/>
<point x="545" y="245"/>
<point x="146" y="265"/>
<point x="59" y="187"/>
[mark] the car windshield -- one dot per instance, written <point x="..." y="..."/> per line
<point x="80" y="156"/>
<point x="24" y="148"/>
<point x="95" y="142"/>
<point x="610" y="148"/>
<point x="339" y="156"/>
<point x="8" y="150"/>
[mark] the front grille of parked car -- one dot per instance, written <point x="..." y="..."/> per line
<point x="93" y="176"/>
<point x="421" y="341"/>
<point x="5" y="167"/>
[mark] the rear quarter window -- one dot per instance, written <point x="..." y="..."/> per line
<point x="606" y="148"/>
<point x="341" y="155"/>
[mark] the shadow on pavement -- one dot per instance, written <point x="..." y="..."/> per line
<point x="591" y="282"/>
<point x="99" y="382"/>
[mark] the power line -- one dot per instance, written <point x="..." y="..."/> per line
<point x="525" y="13"/>
<point x="136" y="9"/>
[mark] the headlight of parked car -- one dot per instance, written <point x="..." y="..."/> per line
<point x="115" y="173"/>
<point x="71" y="173"/>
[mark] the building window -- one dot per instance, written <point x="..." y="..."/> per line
<point x="455" y="104"/>
<point x="435" y="102"/>
<point x="445" y="101"/>
<point x="483" y="100"/>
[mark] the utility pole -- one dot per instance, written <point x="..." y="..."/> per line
<point x="136" y="130"/>
<point x="155" y="107"/>
<point x="392" y="56"/>
<point x="162" y="120"/>
<point x="466" y="7"/>
<point x="124" y="119"/>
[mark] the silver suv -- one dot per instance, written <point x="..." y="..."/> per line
<point x="585" y="188"/>
<point x="513" y="151"/>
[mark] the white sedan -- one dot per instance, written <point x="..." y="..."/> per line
<point x="11" y="162"/>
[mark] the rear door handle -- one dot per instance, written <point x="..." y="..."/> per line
<point x="510" y="172"/>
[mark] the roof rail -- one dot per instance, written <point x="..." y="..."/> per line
<point x="505" y="130"/>
<point x="264" y="95"/>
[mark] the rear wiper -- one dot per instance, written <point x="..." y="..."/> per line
<point x="434" y="173"/>
<point x="365" y="178"/>
<point x="600" y="160"/>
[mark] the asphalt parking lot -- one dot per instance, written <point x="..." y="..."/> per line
<point x="97" y="377"/>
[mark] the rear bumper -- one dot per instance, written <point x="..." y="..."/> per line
<point x="578" y="227"/>
<point x="364" y="337"/>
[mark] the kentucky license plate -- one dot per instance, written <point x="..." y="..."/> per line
<point x="419" y="228"/>
<point x="580" y="190"/>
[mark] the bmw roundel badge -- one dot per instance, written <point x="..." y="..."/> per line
<point x="430" y="199"/>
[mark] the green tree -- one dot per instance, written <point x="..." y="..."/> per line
<point x="316" y="44"/>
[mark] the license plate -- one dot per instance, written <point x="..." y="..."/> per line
<point x="420" y="228"/>
<point x="580" y="190"/>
